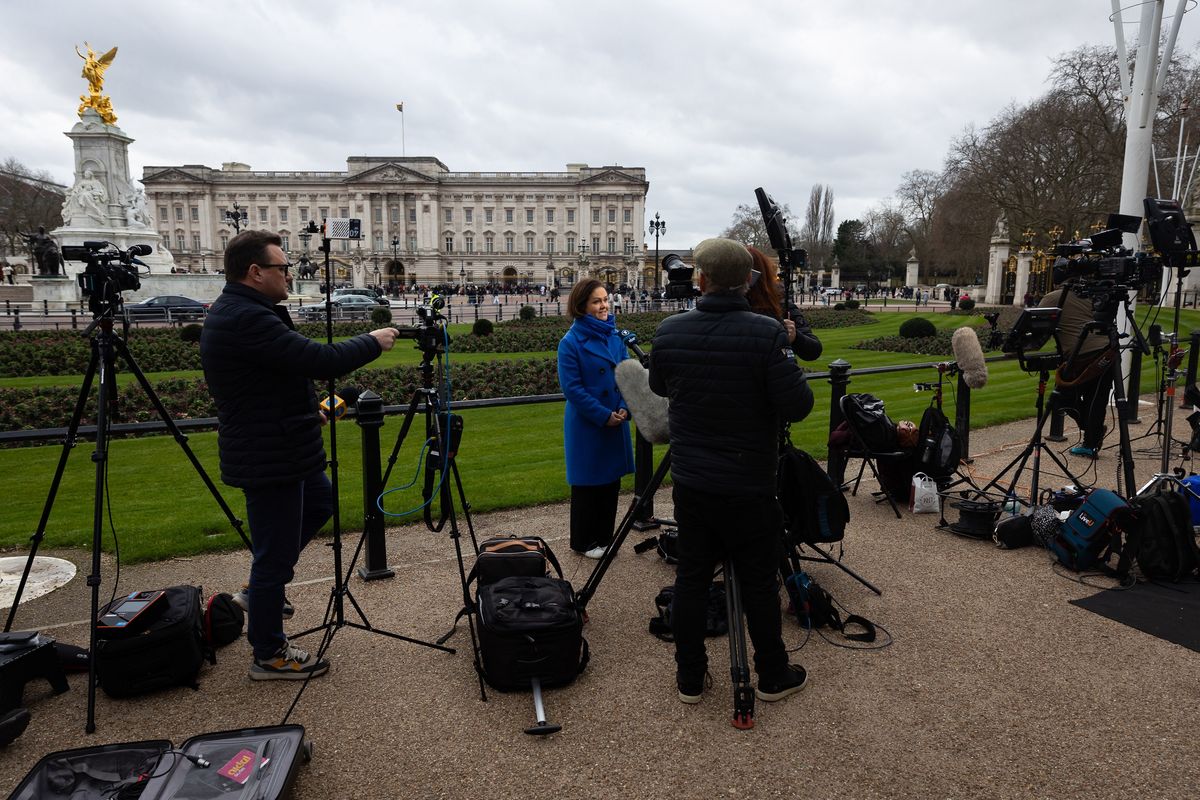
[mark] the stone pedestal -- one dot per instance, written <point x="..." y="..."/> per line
<point x="912" y="271"/>
<point x="1024" y="263"/>
<point x="104" y="204"/>
<point x="835" y="277"/>
<point x="997" y="262"/>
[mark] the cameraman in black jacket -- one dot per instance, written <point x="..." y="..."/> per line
<point x="260" y="371"/>
<point x="731" y="378"/>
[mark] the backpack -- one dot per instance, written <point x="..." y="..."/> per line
<point x="938" y="447"/>
<point x="815" y="608"/>
<point x="1092" y="533"/>
<point x="223" y="620"/>
<point x="165" y="648"/>
<point x="716" y="620"/>
<point x="1164" y="543"/>
<point x="814" y="508"/>
<point x="865" y="415"/>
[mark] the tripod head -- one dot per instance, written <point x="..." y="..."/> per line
<point x="430" y="332"/>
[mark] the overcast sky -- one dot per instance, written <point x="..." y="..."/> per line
<point x="712" y="98"/>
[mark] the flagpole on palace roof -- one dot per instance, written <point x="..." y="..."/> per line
<point x="400" y="108"/>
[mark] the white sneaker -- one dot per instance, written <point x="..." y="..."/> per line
<point x="596" y="552"/>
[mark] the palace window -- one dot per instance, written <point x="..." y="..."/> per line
<point x="262" y="213"/>
<point x="596" y="215"/>
<point x="283" y="215"/>
<point x="449" y="244"/>
<point x="488" y="244"/>
<point x="570" y="216"/>
<point x="195" y="214"/>
<point x="549" y="216"/>
<point x="612" y="244"/>
<point x="508" y="244"/>
<point x="508" y="217"/>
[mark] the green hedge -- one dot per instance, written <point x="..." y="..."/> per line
<point x="188" y="398"/>
<point x="937" y="345"/>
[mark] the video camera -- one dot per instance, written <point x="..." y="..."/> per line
<point x="430" y="334"/>
<point x="109" y="271"/>
<point x="1101" y="258"/>
<point x="679" y="279"/>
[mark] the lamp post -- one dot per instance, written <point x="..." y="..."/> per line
<point x="657" y="226"/>
<point x="237" y="217"/>
<point x="305" y="267"/>
<point x="462" y="277"/>
<point x="395" y="255"/>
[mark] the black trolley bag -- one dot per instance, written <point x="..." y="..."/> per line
<point x="211" y="765"/>
<point x="530" y="626"/>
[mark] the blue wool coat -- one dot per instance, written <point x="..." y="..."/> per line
<point x="596" y="454"/>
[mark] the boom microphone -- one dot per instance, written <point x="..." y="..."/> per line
<point x="969" y="355"/>
<point x="648" y="409"/>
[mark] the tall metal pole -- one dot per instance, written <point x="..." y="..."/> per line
<point x="1141" y="86"/>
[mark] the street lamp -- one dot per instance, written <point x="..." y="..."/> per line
<point x="304" y="268"/>
<point x="657" y="226"/>
<point x="395" y="256"/>
<point x="462" y="277"/>
<point x="236" y="218"/>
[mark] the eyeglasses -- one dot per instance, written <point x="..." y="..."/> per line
<point x="286" y="266"/>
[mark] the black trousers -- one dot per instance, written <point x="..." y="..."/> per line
<point x="749" y="531"/>
<point x="1087" y="404"/>
<point x="593" y="515"/>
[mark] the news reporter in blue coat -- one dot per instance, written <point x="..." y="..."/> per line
<point x="596" y="420"/>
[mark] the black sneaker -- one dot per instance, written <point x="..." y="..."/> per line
<point x="242" y="599"/>
<point x="289" y="664"/>
<point x="795" y="679"/>
<point x="691" y="691"/>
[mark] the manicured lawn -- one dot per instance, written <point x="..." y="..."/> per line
<point x="510" y="457"/>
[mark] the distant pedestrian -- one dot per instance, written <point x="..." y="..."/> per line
<point x="8" y="273"/>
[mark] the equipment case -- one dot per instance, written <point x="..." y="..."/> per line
<point x="101" y="772"/>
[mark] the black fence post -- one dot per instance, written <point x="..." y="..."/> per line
<point x="839" y="379"/>
<point x="369" y="417"/>
<point x="962" y="418"/>
<point x="643" y="463"/>
<point x="74" y="320"/>
<point x="45" y="308"/>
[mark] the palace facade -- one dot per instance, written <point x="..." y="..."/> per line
<point x="421" y="223"/>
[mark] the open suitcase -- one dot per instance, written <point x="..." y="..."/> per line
<point x="211" y="765"/>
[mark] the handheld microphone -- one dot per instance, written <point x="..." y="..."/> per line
<point x="340" y="402"/>
<point x="648" y="409"/>
<point x="629" y="338"/>
<point x="969" y="355"/>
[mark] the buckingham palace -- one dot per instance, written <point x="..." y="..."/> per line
<point x="421" y="223"/>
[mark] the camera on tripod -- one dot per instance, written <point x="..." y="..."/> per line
<point x="679" y="279"/>
<point x="1100" y="261"/>
<point x="430" y="334"/>
<point x="109" y="271"/>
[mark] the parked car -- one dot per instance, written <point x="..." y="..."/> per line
<point x="167" y="306"/>
<point x="365" y="292"/>
<point x="351" y="306"/>
<point x="831" y="291"/>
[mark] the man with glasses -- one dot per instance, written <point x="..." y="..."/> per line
<point x="260" y="372"/>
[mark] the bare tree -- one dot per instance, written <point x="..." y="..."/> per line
<point x="817" y="234"/>
<point x="28" y="199"/>
<point x="748" y="228"/>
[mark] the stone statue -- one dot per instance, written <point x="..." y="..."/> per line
<point x="134" y="203"/>
<point x="45" y="251"/>
<point x="88" y="197"/>
<point x="1001" y="229"/>
<point x="93" y="73"/>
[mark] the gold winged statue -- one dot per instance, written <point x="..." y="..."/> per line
<point x="93" y="72"/>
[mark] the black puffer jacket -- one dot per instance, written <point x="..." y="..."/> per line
<point x="731" y="379"/>
<point x="260" y="370"/>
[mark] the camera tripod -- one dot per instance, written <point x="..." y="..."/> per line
<point x="106" y="346"/>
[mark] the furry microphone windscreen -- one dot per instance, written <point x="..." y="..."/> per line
<point x="969" y="355"/>
<point x="648" y="409"/>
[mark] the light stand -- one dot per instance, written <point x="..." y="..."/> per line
<point x="335" y="615"/>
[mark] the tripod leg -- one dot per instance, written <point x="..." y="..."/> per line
<point x="739" y="662"/>
<point x="640" y="502"/>
<point x="826" y="558"/>
<point x="68" y="443"/>
<point x="181" y="439"/>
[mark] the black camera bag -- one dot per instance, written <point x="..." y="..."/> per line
<point x="865" y="415"/>
<point x="814" y="508"/>
<point x="530" y="627"/>
<point x="939" y="450"/>
<point x="165" y="650"/>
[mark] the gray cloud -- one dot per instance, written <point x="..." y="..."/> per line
<point x="711" y="98"/>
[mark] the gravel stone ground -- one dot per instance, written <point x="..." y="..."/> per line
<point x="994" y="687"/>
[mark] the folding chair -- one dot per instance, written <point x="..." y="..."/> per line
<point x="858" y="448"/>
